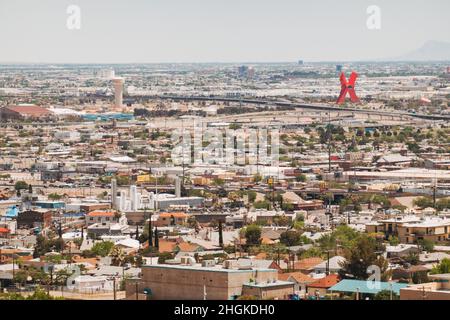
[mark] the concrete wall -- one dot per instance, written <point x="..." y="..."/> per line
<point x="280" y="292"/>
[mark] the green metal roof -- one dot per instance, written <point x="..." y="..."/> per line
<point x="363" y="286"/>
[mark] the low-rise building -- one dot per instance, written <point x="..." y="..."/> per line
<point x="439" y="289"/>
<point x="34" y="219"/>
<point x="199" y="281"/>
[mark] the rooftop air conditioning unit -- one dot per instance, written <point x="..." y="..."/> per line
<point x="208" y="263"/>
<point x="228" y="264"/>
<point x="187" y="260"/>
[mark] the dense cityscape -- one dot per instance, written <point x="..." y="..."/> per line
<point x="219" y="181"/>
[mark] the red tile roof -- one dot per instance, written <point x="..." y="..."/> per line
<point x="307" y="263"/>
<point x="326" y="282"/>
<point x="34" y="111"/>
<point x="174" y="214"/>
<point x="101" y="214"/>
<point x="298" y="276"/>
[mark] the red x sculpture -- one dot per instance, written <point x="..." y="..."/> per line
<point x="348" y="87"/>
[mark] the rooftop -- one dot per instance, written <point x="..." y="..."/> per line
<point x="371" y="287"/>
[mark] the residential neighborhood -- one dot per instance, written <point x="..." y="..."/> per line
<point x="214" y="151"/>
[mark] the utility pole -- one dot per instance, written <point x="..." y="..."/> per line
<point x="137" y="292"/>
<point x="434" y="192"/>
<point x="150" y="231"/>
<point x="329" y="141"/>
<point x="327" y="270"/>
<point x="114" y="287"/>
<point x="390" y="294"/>
<point x="13" y="263"/>
<point x="220" y="234"/>
<point x="182" y="161"/>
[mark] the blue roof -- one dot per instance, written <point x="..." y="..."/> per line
<point x="363" y="286"/>
<point x="12" y="212"/>
<point x="108" y="116"/>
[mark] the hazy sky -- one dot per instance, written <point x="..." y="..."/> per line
<point x="122" y="31"/>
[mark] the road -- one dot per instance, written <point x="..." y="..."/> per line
<point x="319" y="107"/>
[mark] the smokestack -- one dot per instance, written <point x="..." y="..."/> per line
<point x="114" y="193"/>
<point x="134" y="198"/>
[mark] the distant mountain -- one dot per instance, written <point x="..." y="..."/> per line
<point x="430" y="51"/>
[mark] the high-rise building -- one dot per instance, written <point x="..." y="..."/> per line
<point x="242" y="71"/>
<point x="106" y="73"/>
<point x="118" y="91"/>
<point x="246" y="72"/>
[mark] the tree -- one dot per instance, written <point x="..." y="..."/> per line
<point x="423" y="202"/>
<point x="150" y="232"/>
<point x="426" y="245"/>
<point x="262" y="205"/>
<point x="281" y="220"/>
<point x="156" y="238"/>
<point x="443" y="204"/>
<point x="290" y="238"/>
<point x="118" y="256"/>
<point x="45" y="245"/>
<point x="310" y="253"/>
<point x="359" y="257"/>
<point x="38" y="294"/>
<point x="393" y="240"/>
<point x="220" y="234"/>
<point x="251" y="196"/>
<point x="253" y="234"/>
<point x="20" y="185"/>
<point x="54" y="196"/>
<point x="344" y="235"/>
<point x="412" y="258"/>
<point x="443" y="267"/>
<point x="192" y="222"/>
<point x="102" y="248"/>
<point x="218" y="182"/>
<point x="386" y="295"/>
<point x="300" y="178"/>
<point x="163" y="256"/>
<point x="257" y="178"/>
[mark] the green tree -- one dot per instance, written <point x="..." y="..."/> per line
<point x="262" y="205"/>
<point x="253" y="234"/>
<point x="218" y="182"/>
<point x="20" y="185"/>
<point x="393" y="240"/>
<point x="423" y="202"/>
<point x="412" y="258"/>
<point x="442" y="267"/>
<point x="360" y="256"/>
<point x="300" y="178"/>
<point x="163" y="256"/>
<point x="118" y="256"/>
<point x="102" y="248"/>
<point x="54" y="196"/>
<point x="290" y="238"/>
<point x="426" y="245"/>
<point x="251" y="196"/>
<point x="386" y="295"/>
